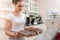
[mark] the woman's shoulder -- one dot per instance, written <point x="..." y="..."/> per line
<point x="9" y="15"/>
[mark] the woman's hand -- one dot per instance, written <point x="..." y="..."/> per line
<point x="8" y="33"/>
<point x="26" y="27"/>
<point x="16" y="34"/>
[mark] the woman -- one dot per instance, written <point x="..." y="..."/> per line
<point x="15" y="21"/>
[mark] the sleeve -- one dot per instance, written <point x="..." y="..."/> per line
<point x="9" y="17"/>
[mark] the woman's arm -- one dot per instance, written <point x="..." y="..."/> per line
<point x="7" y="29"/>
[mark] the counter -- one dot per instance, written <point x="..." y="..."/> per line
<point x="42" y="26"/>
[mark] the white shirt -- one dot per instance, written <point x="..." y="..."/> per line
<point x="18" y="22"/>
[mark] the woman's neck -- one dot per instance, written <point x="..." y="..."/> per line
<point x="16" y="13"/>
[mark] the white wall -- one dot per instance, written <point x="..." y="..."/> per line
<point x="45" y="5"/>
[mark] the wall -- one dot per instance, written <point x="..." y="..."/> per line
<point x="45" y="5"/>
